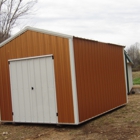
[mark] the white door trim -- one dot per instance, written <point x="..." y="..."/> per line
<point x="73" y="79"/>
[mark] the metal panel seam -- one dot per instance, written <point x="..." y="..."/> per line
<point x="73" y="80"/>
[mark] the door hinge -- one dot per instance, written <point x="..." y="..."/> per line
<point x="56" y="114"/>
<point x="12" y="113"/>
<point x="8" y="62"/>
<point x="52" y="57"/>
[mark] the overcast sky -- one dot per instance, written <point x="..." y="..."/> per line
<point x="112" y="21"/>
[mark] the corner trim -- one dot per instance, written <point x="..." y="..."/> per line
<point x="73" y="80"/>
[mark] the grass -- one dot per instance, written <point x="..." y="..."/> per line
<point x="136" y="78"/>
<point x="136" y="74"/>
<point x="136" y="81"/>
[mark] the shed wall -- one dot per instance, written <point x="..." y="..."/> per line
<point x="100" y="77"/>
<point x="30" y="44"/>
<point x="129" y="66"/>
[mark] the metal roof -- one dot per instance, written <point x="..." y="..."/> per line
<point x="46" y="32"/>
<point x="129" y="60"/>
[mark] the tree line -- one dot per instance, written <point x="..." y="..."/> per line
<point x="134" y="52"/>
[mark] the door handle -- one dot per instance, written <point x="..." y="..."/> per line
<point x="32" y="88"/>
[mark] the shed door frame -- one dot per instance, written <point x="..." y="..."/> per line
<point x="27" y="104"/>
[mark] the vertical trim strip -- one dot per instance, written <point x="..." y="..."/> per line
<point x="56" y="107"/>
<point x="125" y="74"/>
<point x="0" y="115"/>
<point x="73" y="79"/>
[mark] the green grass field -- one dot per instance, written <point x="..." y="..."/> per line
<point x="136" y="81"/>
<point x="136" y="78"/>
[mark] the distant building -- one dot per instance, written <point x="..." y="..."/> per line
<point x="129" y="72"/>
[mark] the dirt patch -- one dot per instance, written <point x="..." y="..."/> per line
<point x="135" y="89"/>
<point x="120" y="124"/>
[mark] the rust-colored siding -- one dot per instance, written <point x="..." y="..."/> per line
<point x="100" y="77"/>
<point x="30" y="44"/>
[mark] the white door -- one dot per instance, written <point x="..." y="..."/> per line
<point x="33" y="90"/>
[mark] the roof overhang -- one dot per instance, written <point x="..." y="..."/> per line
<point x="129" y="60"/>
<point x="47" y="32"/>
<point x="36" y="30"/>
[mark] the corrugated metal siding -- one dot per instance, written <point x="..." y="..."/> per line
<point x="5" y="100"/>
<point x="99" y="76"/>
<point x="34" y="44"/>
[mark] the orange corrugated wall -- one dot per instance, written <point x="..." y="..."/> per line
<point x="100" y="77"/>
<point x="30" y="44"/>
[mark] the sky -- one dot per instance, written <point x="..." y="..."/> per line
<point x="111" y="21"/>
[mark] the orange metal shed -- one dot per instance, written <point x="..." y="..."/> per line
<point x="89" y="75"/>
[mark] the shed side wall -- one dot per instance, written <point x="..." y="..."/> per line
<point x="100" y="77"/>
<point x="31" y="44"/>
<point x="130" y="76"/>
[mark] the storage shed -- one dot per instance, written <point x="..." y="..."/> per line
<point x="129" y="65"/>
<point x="48" y="77"/>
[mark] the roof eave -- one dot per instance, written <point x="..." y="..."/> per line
<point x="36" y="30"/>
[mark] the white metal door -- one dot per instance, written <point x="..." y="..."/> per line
<point x="33" y="90"/>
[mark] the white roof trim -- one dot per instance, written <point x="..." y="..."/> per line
<point x="27" y="58"/>
<point x="36" y="30"/>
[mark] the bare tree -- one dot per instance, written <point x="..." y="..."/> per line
<point x="2" y="38"/>
<point x="134" y="52"/>
<point x="10" y="12"/>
